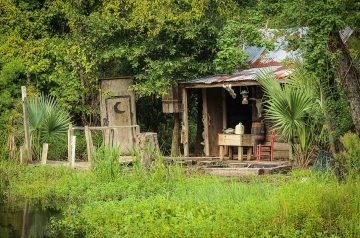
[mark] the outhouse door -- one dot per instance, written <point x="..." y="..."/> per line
<point x="118" y="112"/>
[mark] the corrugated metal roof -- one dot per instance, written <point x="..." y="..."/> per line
<point x="242" y="75"/>
<point x="346" y="33"/>
<point x="262" y="60"/>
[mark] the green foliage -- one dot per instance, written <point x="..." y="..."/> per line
<point x="321" y="18"/>
<point x="164" y="203"/>
<point x="232" y="38"/>
<point x="288" y="109"/>
<point x="12" y="76"/>
<point x="106" y="162"/>
<point x="47" y="121"/>
<point x="348" y="160"/>
<point x="65" y="46"/>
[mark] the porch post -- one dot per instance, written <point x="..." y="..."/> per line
<point x="224" y="118"/>
<point x="205" y="122"/>
<point x="185" y="125"/>
<point x="224" y="121"/>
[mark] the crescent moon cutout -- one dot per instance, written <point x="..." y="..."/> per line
<point x="116" y="108"/>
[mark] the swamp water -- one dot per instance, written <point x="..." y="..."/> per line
<point x="27" y="222"/>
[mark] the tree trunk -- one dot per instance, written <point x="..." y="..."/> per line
<point x="330" y="120"/>
<point x="348" y="75"/>
<point x="175" y="136"/>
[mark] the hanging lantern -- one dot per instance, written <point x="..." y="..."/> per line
<point x="245" y="95"/>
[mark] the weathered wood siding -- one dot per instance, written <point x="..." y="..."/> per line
<point x="118" y="109"/>
<point x="214" y="104"/>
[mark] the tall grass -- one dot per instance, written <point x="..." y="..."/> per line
<point x="163" y="202"/>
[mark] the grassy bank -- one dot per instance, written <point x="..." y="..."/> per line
<point x="163" y="202"/>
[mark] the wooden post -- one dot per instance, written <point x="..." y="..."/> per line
<point x="44" y="153"/>
<point x="175" y="136"/>
<point x="224" y="118"/>
<point x="248" y="153"/>
<point x="70" y="134"/>
<point x="73" y="147"/>
<point x="89" y="146"/>
<point x="185" y="126"/>
<point x="26" y="125"/>
<point x="107" y="136"/>
<point x="230" y="149"/>
<point x="221" y="152"/>
<point x="240" y="153"/>
<point x="224" y="110"/>
<point x="206" y="122"/>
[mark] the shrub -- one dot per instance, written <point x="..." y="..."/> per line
<point x="348" y="160"/>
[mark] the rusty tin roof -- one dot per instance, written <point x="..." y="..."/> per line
<point x="262" y="60"/>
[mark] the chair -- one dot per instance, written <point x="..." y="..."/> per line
<point x="266" y="150"/>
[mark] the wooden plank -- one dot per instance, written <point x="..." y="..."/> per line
<point x="118" y="108"/>
<point x="224" y="118"/>
<point x="224" y="109"/>
<point x="26" y="125"/>
<point x="88" y="142"/>
<point x="215" y="118"/>
<point x="206" y="123"/>
<point x="70" y="134"/>
<point x="235" y="140"/>
<point x="230" y="139"/>
<point x="236" y="172"/>
<point x="44" y="153"/>
<point x="73" y="149"/>
<point x="171" y="101"/>
<point x="185" y="126"/>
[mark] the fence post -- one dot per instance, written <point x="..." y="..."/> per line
<point x="44" y="153"/>
<point x="26" y="126"/>
<point x="73" y="147"/>
<point x="89" y="144"/>
<point x="70" y="133"/>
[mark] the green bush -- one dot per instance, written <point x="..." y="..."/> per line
<point x="106" y="162"/>
<point x="348" y="160"/>
<point x="163" y="202"/>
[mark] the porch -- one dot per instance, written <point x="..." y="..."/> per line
<point x="227" y="100"/>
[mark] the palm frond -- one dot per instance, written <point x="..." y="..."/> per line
<point x="48" y="122"/>
<point x="286" y="107"/>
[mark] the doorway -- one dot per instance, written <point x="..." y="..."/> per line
<point x="238" y="112"/>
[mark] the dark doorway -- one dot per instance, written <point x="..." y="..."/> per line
<point x="238" y="112"/>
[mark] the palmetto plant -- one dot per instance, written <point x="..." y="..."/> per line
<point x="288" y="109"/>
<point x="48" y="122"/>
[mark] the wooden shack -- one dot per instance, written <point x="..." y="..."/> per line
<point x="118" y="108"/>
<point x="226" y="101"/>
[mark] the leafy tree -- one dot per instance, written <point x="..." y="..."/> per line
<point x="326" y="55"/>
<point x="67" y="45"/>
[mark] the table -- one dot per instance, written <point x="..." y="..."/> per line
<point x="240" y="141"/>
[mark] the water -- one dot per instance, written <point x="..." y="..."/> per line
<point x="27" y="222"/>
